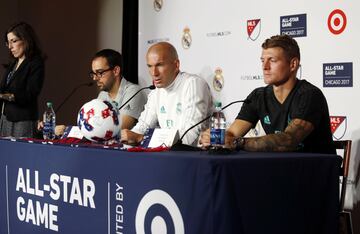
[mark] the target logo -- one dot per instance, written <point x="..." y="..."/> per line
<point x="158" y="223"/>
<point x="337" y="21"/>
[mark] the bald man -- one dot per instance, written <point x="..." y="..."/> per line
<point x="179" y="101"/>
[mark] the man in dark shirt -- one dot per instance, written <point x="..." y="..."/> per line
<point x="293" y="112"/>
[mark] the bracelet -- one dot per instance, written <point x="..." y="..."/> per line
<point x="239" y="143"/>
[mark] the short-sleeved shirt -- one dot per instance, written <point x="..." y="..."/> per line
<point x="126" y="90"/>
<point x="305" y="102"/>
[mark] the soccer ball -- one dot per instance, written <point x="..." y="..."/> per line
<point x="98" y="120"/>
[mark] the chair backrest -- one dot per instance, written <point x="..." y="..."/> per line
<point x="344" y="145"/>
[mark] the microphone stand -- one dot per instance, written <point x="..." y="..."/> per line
<point x="151" y="87"/>
<point x="72" y="92"/>
<point x="179" y="146"/>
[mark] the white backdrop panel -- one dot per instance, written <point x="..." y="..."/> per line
<point x="218" y="29"/>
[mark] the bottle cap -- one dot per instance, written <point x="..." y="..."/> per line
<point x="217" y="104"/>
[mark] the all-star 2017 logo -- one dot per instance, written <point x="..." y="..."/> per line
<point x="338" y="74"/>
<point x="218" y="81"/>
<point x="338" y="129"/>
<point x="253" y="28"/>
<point x="186" y="39"/>
<point x="293" y="25"/>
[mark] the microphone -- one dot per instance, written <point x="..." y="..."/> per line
<point x="179" y="146"/>
<point x="89" y="84"/>
<point x="151" y="87"/>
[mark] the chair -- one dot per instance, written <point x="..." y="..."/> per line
<point x="345" y="223"/>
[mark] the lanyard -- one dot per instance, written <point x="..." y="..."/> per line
<point x="2" y="108"/>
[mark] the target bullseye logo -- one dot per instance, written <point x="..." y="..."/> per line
<point x="337" y="21"/>
<point x="158" y="224"/>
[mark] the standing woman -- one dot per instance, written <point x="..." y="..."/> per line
<point x="22" y="82"/>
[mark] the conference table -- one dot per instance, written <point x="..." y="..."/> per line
<point x="63" y="188"/>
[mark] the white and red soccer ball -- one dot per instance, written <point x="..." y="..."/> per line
<point x="98" y="120"/>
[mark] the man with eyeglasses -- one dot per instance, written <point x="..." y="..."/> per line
<point x="106" y="71"/>
<point x="179" y="101"/>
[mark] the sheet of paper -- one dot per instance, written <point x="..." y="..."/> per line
<point x="75" y="132"/>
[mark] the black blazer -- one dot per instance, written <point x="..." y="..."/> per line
<point x="26" y="85"/>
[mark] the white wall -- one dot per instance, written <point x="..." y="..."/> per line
<point x="110" y="24"/>
<point x="8" y="13"/>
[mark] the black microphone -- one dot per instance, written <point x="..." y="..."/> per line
<point x="72" y="92"/>
<point x="151" y="87"/>
<point x="179" y="146"/>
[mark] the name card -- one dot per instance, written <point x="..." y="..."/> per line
<point x="72" y="131"/>
<point x="163" y="136"/>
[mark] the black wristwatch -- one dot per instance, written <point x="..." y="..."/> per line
<point x="239" y="143"/>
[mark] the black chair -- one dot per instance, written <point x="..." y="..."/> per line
<point x="345" y="222"/>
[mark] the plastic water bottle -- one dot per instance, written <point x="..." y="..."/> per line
<point x="49" y="120"/>
<point x="217" y="127"/>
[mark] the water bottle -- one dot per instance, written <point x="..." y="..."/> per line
<point x="217" y="127"/>
<point x="49" y="120"/>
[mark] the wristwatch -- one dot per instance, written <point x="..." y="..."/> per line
<point x="239" y="143"/>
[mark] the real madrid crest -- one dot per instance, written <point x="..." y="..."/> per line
<point x="178" y="108"/>
<point x="218" y="81"/>
<point x="158" y="5"/>
<point x="186" y="38"/>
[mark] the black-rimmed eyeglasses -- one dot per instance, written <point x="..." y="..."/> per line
<point x="99" y="73"/>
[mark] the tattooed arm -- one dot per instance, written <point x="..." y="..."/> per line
<point x="295" y="133"/>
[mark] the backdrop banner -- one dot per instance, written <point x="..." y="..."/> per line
<point x="220" y="40"/>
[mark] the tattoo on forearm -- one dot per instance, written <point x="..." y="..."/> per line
<point x="288" y="140"/>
